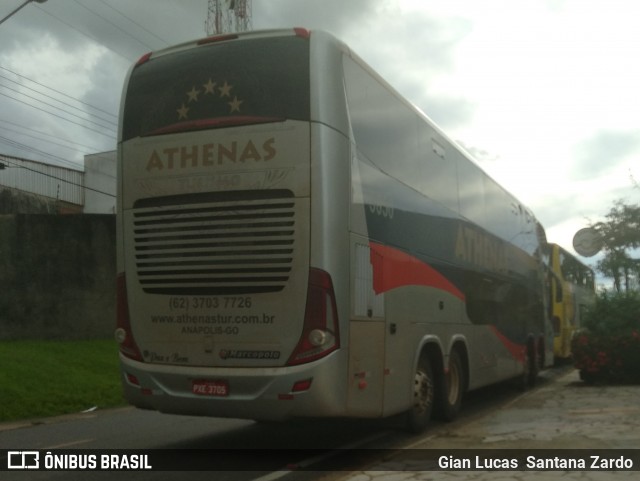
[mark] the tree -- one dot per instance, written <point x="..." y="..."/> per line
<point x="620" y="233"/>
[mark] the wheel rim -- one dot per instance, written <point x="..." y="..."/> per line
<point x="422" y="391"/>
<point x="453" y="378"/>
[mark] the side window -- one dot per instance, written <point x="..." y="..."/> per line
<point x="398" y="141"/>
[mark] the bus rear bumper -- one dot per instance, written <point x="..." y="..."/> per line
<point x="269" y="394"/>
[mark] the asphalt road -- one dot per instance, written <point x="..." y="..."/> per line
<point x="133" y="429"/>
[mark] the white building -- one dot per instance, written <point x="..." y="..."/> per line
<point x="100" y="183"/>
<point x="63" y="189"/>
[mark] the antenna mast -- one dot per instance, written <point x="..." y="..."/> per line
<point x="227" y="16"/>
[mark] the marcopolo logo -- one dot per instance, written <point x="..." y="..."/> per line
<point x="23" y="460"/>
<point x="234" y="354"/>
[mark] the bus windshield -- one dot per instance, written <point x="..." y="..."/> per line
<point x="218" y="85"/>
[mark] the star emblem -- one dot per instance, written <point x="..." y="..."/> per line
<point x="182" y="112"/>
<point x="191" y="106"/>
<point x="235" y="104"/>
<point x="209" y="86"/>
<point x="225" y="90"/>
<point x="193" y="94"/>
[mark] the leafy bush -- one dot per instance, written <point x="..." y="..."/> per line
<point x="614" y="313"/>
<point x="608" y="349"/>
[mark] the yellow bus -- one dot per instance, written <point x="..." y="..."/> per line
<point x="572" y="293"/>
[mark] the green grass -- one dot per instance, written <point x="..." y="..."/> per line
<point x="49" y="378"/>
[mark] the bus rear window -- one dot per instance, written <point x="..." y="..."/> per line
<point x="220" y="84"/>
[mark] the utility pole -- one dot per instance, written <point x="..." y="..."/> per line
<point x="227" y="16"/>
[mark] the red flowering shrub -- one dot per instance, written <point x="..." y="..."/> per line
<point x="608" y="349"/>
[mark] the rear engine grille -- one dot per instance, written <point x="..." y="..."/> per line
<point x="215" y="243"/>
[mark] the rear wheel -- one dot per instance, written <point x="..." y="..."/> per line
<point x="450" y="393"/>
<point x="423" y="397"/>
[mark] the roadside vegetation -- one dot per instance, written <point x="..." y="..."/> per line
<point x="608" y="349"/>
<point x="620" y="235"/>
<point x="48" y="378"/>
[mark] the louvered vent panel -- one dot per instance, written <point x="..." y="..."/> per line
<point x="212" y="244"/>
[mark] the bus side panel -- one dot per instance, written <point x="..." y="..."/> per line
<point x="414" y="313"/>
<point x="432" y="258"/>
<point x="366" y="368"/>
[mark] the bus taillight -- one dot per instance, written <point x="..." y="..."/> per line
<point x="144" y="59"/>
<point x="320" y="333"/>
<point x="302" y="32"/>
<point x="124" y="336"/>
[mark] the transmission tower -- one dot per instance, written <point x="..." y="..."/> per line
<point x="226" y="16"/>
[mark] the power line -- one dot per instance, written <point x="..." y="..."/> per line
<point x="27" y="148"/>
<point x="113" y="24"/>
<point x="60" y="117"/>
<point x="57" y="178"/>
<point x="47" y="135"/>
<point x="44" y="140"/>
<point x="59" y="92"/>
<point x="128" y="59"/>
<point x="21" y="85"/>
<point x="134" y="22"/>
<point x="60" y="109"/>
<point x="52" y="98"/>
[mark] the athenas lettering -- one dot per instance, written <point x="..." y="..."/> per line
<point x="206" y="155"/>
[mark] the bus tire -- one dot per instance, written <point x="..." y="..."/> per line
<point x="423" y="388"/>
<point x="451" y="389"/>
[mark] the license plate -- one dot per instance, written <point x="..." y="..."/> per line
<point x="210" y="388"/>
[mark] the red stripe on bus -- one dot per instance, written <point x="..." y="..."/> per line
<point x="393" y="268"/>
<point x="213" y="123"/>
<point x="516" y="350"/>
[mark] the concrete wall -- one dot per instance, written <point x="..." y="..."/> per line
<point x="14" y="201"/>
<point x="57" y="276"/>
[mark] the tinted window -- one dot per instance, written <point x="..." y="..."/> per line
<point x="397" y="140"/>
<point x="244" y="78"/>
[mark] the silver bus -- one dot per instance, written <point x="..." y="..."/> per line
<point x="295" y="239"/>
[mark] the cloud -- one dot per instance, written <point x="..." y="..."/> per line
<point x="414" y="51"/>
<point x="336" y="16"/>
<point x="129" y="29"/>
<point x="603" y="151"/>
<point x="43" y="109"/>
<point x="479" y="154"/>
<point x="543" y="95"/>
<point x="80" y="49"/>
<point x="84" y="48"/>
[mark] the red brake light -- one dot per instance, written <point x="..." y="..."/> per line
<point x="301" y="386"/>
<point x="145" y="58"/>
<point x="302" y="32"/>
<point x="133" y="379"/>
<point x="320" y="333"/>
<point x="124" y="336"/>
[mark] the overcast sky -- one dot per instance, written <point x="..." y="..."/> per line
<point x="544" y="93"/>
